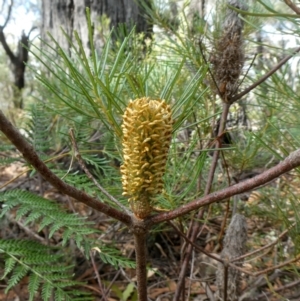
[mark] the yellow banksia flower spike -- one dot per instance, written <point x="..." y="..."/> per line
<point x="147" y="129"/>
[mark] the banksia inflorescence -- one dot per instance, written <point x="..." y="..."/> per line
<point x="147" y="129"/>
<point x="228" y="56"/>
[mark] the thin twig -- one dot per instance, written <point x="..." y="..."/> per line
<point x="266" y="246"/>
<point x="217" y="258"/>
<point x="193" y="244"/>
<point x="29" y="231"/>
<point x="293" y="6"/>
<point x="265" y="271"/>
<point x="225" y="279"/>
<point x="90" y="176"/>
<point x="267" y="75"/>
<point x="111" y="282"/>
<point x="15" y="178"/>
<point x="98" y="276"/>
<point x="276" y="290"/>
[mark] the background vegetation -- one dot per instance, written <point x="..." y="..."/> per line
<point x="55" y="248"/>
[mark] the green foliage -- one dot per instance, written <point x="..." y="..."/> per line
<point x="38" y="129"/>
<point x="128" y="294"/>
<point x="45" y="267"/>
<point x="41" y="263"/>
<point x="89" y="92"/>
<point x="33" y="208"/>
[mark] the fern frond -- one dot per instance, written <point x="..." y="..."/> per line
<point x="33" y="286"/>
<point x="34" y="208"/>
<point x="38" y="129"/>
<point x="47" y="213"/>
<point x="113" y="257"/>
<point x="44" y="268"/>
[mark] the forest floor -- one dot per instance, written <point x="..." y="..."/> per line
<point x="165" y="249"/>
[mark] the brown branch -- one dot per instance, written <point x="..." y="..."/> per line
<point x="7" y="49"/>
<point x="267" y="75"/>
<point x="293" y="6"/>
<point x="32" y="158"/>
<point x="98" y="276"/>
<point x="195" y="225"/>
<point x="140" y="235"/>
<point x="289" y="163"/>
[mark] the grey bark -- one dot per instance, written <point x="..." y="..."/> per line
<point x="234" y="246"/>
<point x="70" y="15"/>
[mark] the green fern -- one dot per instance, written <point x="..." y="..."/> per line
<point x="5" y="152"/>
<point x="38" y="129"/>
<point x="33" y="208"/>
<point x="44" y="267"/>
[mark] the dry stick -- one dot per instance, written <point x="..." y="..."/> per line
<point x="276" y="290"/>
<point x="90" y="176"/>
<point x="225" y="280"/>
<point x="266" y="246"/>
<point x="98" y="276"/>
<point x="208" y="254"/>
<point x="28" y="231"/>
<point x="29" y="169"/>
<point x="193" y="244"/>
<point x="293" y="6"/>
<point x="277" y="266"/>
<point x="196" y="225"/>
<point x="262" y="79"/>
<point x="32" y="158"/>
<point x="15" y="178"/>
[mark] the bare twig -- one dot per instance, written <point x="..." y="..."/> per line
<point x="267" y="75"/>
<point x="293" y="6"/>
<point x="276" y="290"/>
<point x="289" y="163"/>
<point x="194" y="244"/>
<point x="90" y="176"/>
<point x="265" y="271"/>
<point x="266" y="246"/>
<point x="29" y="231"/>
<point x="32" y="158"/>
<point x="98" y="276"/>
<point x="217" y="258"/>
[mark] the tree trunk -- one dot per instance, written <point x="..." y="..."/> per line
<point x="70" y="15"/>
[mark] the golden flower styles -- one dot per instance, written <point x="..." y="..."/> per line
<point x="147" y="129"/>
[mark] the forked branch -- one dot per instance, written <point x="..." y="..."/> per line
<point x="289" y="163"/>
